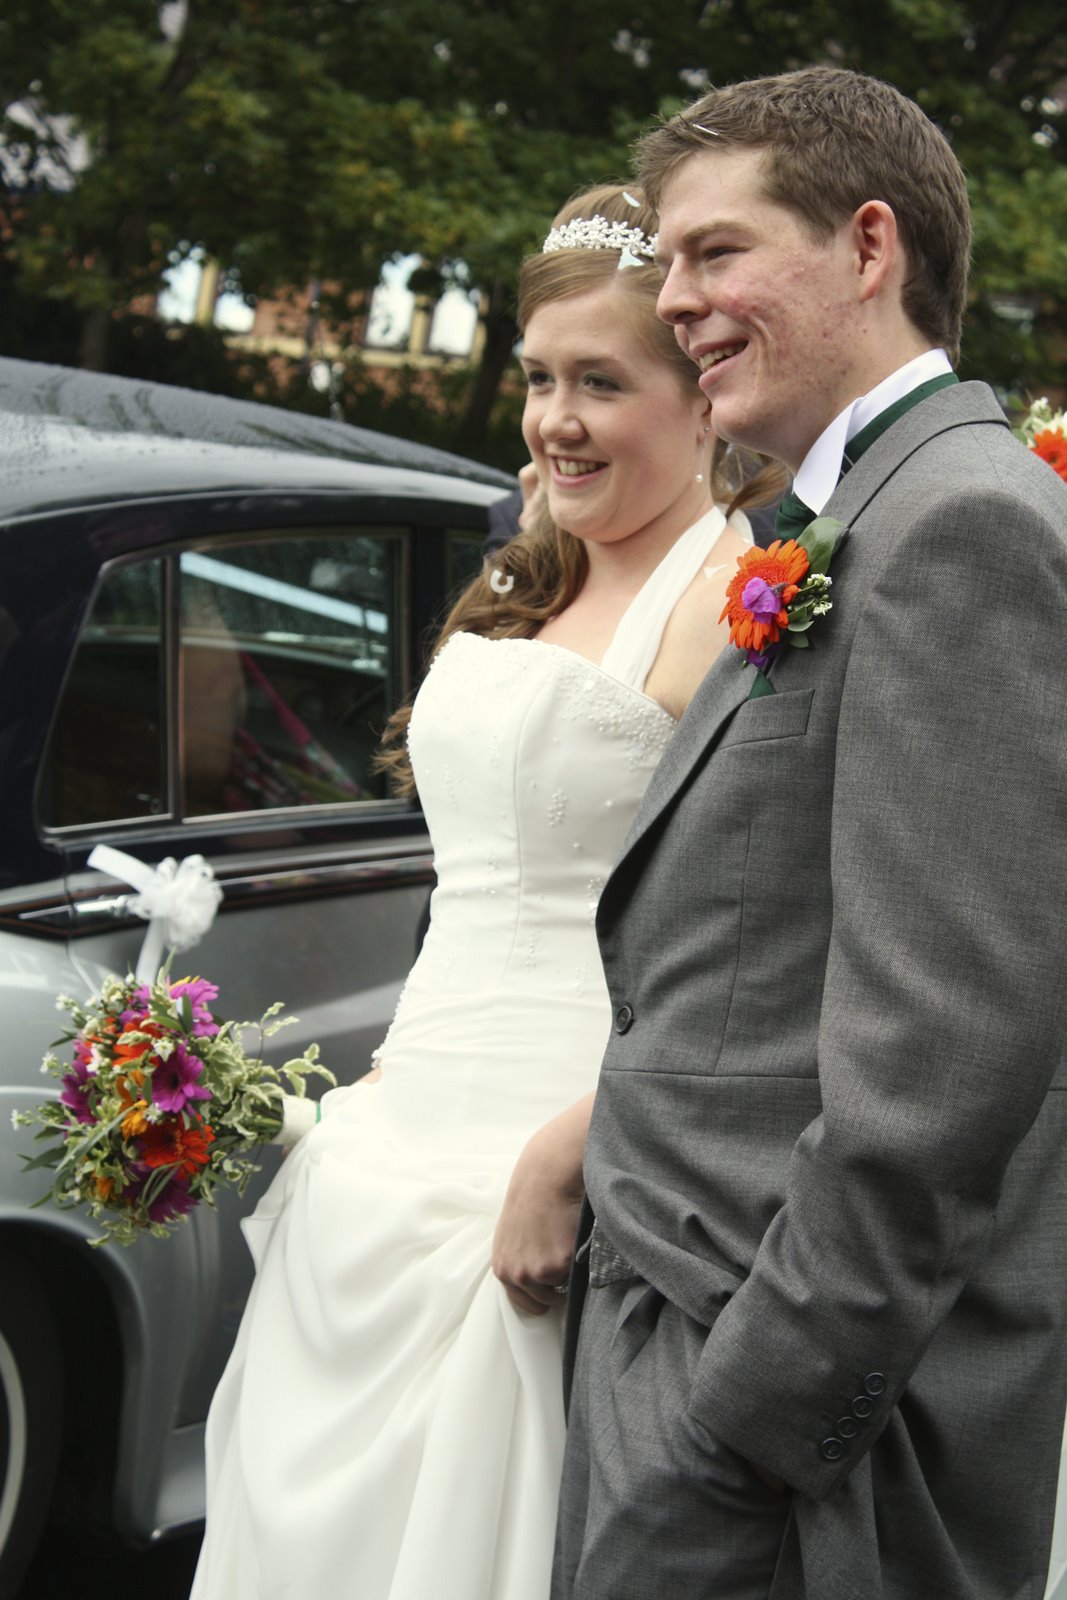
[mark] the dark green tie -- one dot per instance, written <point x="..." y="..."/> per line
<point x="793" y="516"/>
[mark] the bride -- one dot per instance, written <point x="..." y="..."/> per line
<point x="390" y="1424"/>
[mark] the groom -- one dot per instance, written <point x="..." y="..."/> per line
<point x="822" y="1350"/>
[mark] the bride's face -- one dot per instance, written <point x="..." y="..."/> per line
<point x="616" y="439"/>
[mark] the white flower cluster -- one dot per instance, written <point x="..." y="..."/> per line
<point x="597" y="233"/>
<point x="1039" y="419"/>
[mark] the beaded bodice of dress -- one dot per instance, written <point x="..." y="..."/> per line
<point x="530" y="763"/>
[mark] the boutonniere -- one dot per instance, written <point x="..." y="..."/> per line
<point x="776" y="594"/>
<point x="1044" y="431"/>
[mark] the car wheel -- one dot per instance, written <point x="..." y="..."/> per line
<point x="31" y="1411"/>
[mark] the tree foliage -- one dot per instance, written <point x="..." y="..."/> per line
<point x="309" y="139"/>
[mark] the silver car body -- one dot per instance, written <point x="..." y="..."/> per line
<point x="321" y="896"/>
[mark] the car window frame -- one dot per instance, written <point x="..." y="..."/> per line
<point x="410" y="524"/>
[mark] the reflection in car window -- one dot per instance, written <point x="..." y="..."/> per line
<point x="289" y="671"/>
<point x="104" y="760"/>
<point x="290" y="666"/>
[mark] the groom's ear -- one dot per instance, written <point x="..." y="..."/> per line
<point x="876" y="247"/>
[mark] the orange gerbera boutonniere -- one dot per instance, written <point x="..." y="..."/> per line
<point x="776" y="594"/>
<point x="1044" y="431"/>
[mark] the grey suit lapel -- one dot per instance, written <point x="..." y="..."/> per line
<point x="728" y="683"/>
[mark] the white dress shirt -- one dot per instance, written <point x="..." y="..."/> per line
<point x="820" y="470"/>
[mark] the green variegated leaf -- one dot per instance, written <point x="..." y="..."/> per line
<point x="820" y="539"/>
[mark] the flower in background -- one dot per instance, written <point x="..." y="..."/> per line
<point x="1044" y="431"/>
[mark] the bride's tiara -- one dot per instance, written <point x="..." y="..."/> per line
<point x="597" y="233"/>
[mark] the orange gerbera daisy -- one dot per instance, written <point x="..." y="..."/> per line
<point x="134" y="1122"/>
<point x="125" y="1053"/>
<point x="759" y="592"/>
<point x="173" y="1144"/>
<point x="1051" y="445"/>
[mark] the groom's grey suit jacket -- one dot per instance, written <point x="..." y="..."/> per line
<point x="830" y="1124"/>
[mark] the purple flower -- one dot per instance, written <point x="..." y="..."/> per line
<point x="174" y="1080"/>
<point x="77" y="1083"/>
<point x="199" y="991"/>
<point x="173" y="1200"/>
<point x="760" y="599"/>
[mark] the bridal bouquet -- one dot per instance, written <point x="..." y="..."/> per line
<point x="1044" y="431"/>
<point x="159" y="1105"/>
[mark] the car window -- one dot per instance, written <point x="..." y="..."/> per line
<point x="290" y="660"/>
<point x="465" y="555"/>
<point x="290" y="667"/>
<point x="105" y="755"/>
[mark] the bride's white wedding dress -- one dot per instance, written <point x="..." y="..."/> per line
<point x="389" y="1427"/>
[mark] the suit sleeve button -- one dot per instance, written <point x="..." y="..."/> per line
<point x="624" y="1017"/>
<point x="862" y="1407"/>
<point x="832" y="1449"/>
<point x="847" y="1427"/>
<point x="874" y="1383"/>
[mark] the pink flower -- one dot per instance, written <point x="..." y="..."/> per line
<point x="77" y="1084"/>
<point x="174" y="1080"/>
<point x="199" y="992"/>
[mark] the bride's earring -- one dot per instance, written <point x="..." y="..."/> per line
<point x="700" y="475"/>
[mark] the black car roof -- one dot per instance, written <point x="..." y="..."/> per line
<point x="67" y="436"/>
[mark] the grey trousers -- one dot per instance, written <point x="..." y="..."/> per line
<point x="651" y="1504"/>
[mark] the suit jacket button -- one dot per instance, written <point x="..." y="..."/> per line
<point x="624" y="1017"/>
<point x="874" y="1383"/>
<point x="862" y="1407"/>
<point x="847" y="1427"/>
<point x="832" y="1449"/>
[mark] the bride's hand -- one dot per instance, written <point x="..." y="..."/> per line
<point x="535" y="1233"/>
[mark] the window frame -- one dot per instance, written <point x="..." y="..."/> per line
<point x="403" y="533"/>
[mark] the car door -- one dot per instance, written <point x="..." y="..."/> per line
<point x="226" y="698"/>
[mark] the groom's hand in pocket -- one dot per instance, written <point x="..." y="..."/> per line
<point x="771" y="1479"/>
<point x="535" y="1233"/>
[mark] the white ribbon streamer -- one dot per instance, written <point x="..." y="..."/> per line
<point x="178" y="900"/>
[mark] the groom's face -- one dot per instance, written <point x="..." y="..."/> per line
<point x="768" y="313"/>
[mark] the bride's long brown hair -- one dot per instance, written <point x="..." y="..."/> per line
<point x="546" y="563"/>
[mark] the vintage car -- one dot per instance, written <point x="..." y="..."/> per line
<point x="207" y="611"/>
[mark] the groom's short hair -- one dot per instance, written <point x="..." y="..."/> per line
<point x="833" y="140"/>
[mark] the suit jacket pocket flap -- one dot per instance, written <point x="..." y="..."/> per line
<point x="771" y="716"/>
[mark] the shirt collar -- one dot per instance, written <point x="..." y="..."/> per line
<point x="820" y="470"/>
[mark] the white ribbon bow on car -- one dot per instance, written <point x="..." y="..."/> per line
<point x="178" y="900"/>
